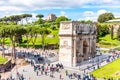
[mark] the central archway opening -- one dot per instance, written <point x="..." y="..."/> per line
<point x="85" y="45"/>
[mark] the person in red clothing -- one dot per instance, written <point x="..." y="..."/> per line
<point x="60" y="76"/>
<point x="37" y="72"/>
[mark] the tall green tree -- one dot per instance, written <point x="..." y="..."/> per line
<point x="12" y="31"/>
<point x="40" y="16"/>
<point x="34" y="34"/>
<point x="40" y="21"/>
<point x="28" y="34"/>
<point x="105" y="17"/>
<point x="104" y="30"/>
<point x="26" y="17"/>
<point x="5" y="19"/>
<point x="111" y="32"/>
<point x="15" y="18"/>
<point x="98" y="31"/>
<point x="43" y="32"/>
<point x="61" y="18"/>
<point x="2" y="38"/>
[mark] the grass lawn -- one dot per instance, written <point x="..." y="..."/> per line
<point x="2" y="60"/>
<point x="108" y="71"/>
<point x="107" y="42"/>
<point x="54" y="40"/>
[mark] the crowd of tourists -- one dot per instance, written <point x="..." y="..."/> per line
<point x="50" y="69"/>
<point x="37" y="56"/>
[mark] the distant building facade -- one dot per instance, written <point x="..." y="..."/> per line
<point x="77" y="42"/>
<point x="51" y="17"/>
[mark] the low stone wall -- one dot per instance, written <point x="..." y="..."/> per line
<point x="5" y="66"/>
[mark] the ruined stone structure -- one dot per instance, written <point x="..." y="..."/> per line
<point x="115" y="27"/>
<point x="77" y="42"/>
<point x="51" y="17"/>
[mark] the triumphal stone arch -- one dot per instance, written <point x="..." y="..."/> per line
<point x="77" y="42"/>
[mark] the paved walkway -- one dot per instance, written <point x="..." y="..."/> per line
<point x="29" y="73"/>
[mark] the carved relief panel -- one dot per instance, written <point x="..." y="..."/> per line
<point x="65" y="45"/>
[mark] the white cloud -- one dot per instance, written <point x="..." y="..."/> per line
<point x="101" y="11"/>
<point x="63" y="13"/>
<point x="116" y="14"/>
<point x="12" y="7"/>
<point x="88" y="18"/>
<point x="24" y="5"/>
<point x="108" y="1"/>
<point x="88" y="13"/>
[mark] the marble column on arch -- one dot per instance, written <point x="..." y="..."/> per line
<point x="74" y="52"/>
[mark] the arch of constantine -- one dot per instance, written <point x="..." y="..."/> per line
<point x="77" y="42"/>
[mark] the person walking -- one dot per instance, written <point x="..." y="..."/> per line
<point x="60" y="76"/>
<point x="11" y="77"/>
<point x="0" y="77"/>
<point x="46" y="71"/>
<point x="66" y="72"/>
<point x="41" y="72"/>
<point x="78" y="76"/>
<point x="37" y="73"/>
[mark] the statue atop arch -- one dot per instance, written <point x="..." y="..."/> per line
<point x="77" y="42"/>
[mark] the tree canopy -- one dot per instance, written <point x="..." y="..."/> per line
<point x="39" y="16"/>
<point x="61" y="18"/>
<point x="26" y="17"/>
<point x="105" y="17"/>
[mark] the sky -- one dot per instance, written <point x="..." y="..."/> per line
<point x="73" y="9"/>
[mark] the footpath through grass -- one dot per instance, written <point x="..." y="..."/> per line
<point x="2" y="60"/>
<point x="111" y="70"/>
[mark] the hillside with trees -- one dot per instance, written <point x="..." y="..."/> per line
<point x="106" y="36"/>
<point x="44" y="34"/>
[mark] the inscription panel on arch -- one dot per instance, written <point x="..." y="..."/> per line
<point x="65" y="26"/>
